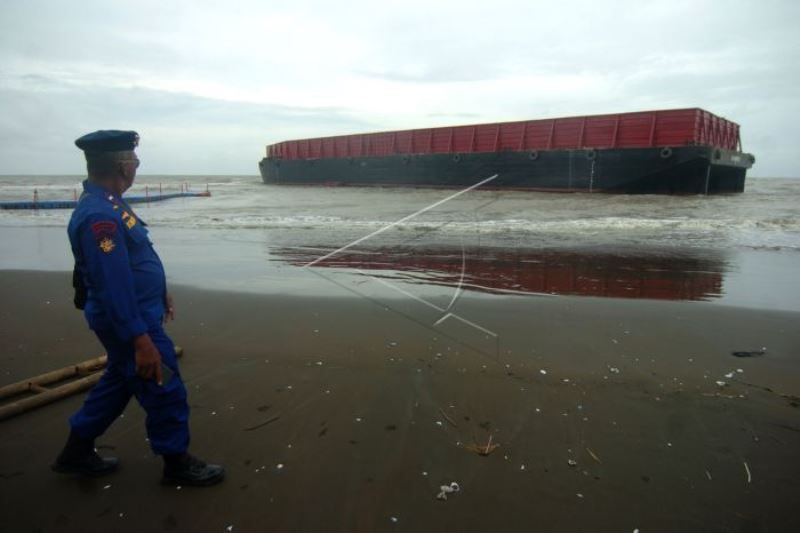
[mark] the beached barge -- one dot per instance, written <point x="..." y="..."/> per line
<point x="678" y="151"/>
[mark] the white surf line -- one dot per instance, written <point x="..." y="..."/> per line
<point x="404" y="219"/>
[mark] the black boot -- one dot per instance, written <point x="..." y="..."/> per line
<point x="79" y="457"/>
<point x="186" y="469"/>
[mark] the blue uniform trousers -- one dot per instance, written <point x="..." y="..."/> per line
<point x="167" y="411"/>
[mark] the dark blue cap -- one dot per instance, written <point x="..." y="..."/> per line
<point x="108" y="141"/>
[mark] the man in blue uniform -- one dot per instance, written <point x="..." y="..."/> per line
<point x="121" y="287"/>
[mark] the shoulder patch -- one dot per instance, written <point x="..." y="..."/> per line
<point x="103" y="232"/>
<point x="104" y="228"/>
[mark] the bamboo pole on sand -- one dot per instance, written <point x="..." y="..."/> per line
<point x="91" y="371"/>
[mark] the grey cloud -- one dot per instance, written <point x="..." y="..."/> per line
<point x="60" y="62"/>
<point x="180" y="133"/>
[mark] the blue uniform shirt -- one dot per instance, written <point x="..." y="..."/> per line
<point x="123" y="274"/>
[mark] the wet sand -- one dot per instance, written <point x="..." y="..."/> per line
<point x="376" y="408"/>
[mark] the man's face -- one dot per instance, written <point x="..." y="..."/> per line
<point x="129" y="166"/>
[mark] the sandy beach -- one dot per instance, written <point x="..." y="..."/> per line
<point x="347" y="414"/>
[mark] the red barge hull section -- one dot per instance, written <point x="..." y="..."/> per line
<point x="685" y="151"/>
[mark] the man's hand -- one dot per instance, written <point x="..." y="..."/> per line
<point x="148" y="358"/>
<point x="170" y="308"/>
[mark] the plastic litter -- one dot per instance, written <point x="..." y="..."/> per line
<point x="447" y="489"/>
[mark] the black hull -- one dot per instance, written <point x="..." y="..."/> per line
<point x="684" y="170"/>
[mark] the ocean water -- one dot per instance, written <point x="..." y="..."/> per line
<point x="741" y="249"/>
<point x="766" y="216"/>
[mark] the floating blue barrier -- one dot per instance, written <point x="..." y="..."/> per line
<point x="70" y="204"/>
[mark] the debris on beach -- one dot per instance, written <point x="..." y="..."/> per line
<point x="447" y="489"/>
<point x="262" y="424"/>
<point x="481" y="449"/>
<point x="393" y="519"/>
<point x="572" y="462"/>
<point x="721" y="383"/>
<point x="747" y="470"/>
<point x="594" y="456"/>
<point x="449" y="420"/>
<point x="753" y="353"/>
<point x="719" y="395"/>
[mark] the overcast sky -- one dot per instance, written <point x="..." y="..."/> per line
<point x="209" y="84"/>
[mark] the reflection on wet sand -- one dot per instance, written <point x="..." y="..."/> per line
<point x="529" y="271"/>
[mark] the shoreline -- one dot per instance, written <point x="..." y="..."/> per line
<point x="264" y="262"/>
<point x="376" y="410"/>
